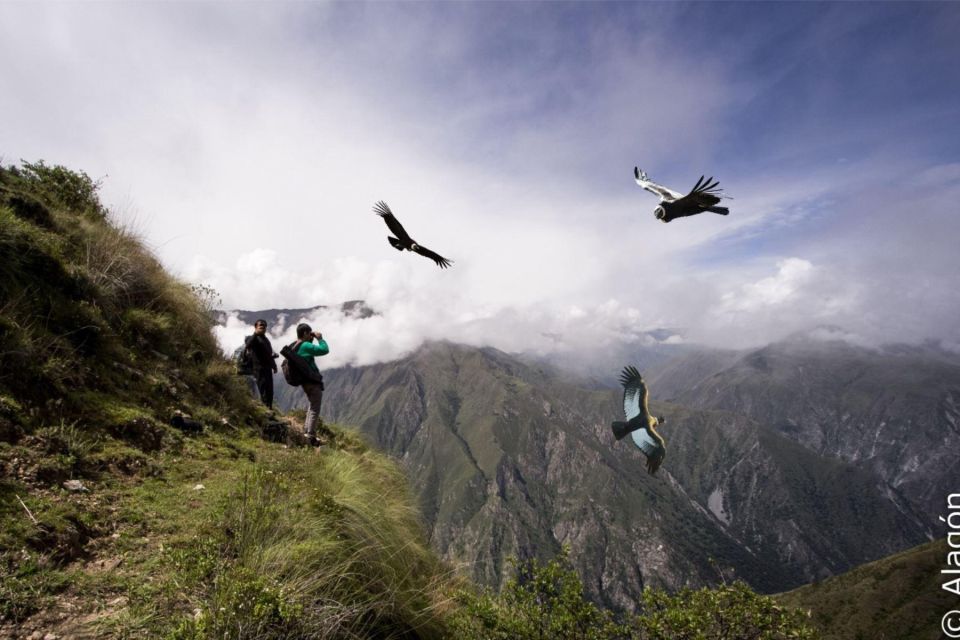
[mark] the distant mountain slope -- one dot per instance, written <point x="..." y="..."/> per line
<point x="353" y="308"/>
<point x="511" y="459"/>
<point x="893" y="412"/>
<point x="508" y="464"/>
<point x="896" y="598"/>
<point x="602" y="363"/>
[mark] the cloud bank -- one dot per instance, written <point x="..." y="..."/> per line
<point x="249" y="142"/>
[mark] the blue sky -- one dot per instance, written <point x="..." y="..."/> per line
<point x="505" y="135"/>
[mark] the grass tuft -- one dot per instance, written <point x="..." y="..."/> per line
<point x="313" y="548"/>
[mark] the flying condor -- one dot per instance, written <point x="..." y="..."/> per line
<point x="704" y="196"/>
<point x="640" y="424"/>
<point x="403" y="241"/>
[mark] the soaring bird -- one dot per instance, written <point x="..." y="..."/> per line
<point x="640" y="424"/>
<point x="403" y="239"/>
<point x="703" y="197"/>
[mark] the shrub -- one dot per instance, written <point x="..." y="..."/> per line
<point x="72" y="190"/>
<point x="29" y="208"/>
<point x="541" y="601"/>
<point x="729" y="612"/>
<point x="546" y="601"/>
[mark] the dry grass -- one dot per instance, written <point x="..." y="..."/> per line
<point x="328" y="548"/>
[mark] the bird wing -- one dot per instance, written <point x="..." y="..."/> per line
<point x="656" y="189"/>
<point x="442" y="262"/>
<point x="652" y="446"/>
<point x="634" y="393"/>
<point x="705" y="193"/>
<point x="382" y="210"/>
<point x="646" y="443"/>
<point x="635" y="399"/>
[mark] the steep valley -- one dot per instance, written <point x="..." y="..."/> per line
<point x="513" y="459"/>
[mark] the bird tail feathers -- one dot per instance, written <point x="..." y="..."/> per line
<point x="721" y="210"/>
<point x="620" y="430"/>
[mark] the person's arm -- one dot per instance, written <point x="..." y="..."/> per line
<point x="271" y="355"/>
<point x="311" y="349"/>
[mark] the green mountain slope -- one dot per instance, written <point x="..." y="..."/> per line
<point x="892" y="412"/>
<point x="896" y="598"/>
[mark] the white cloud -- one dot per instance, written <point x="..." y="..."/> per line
<point x="792" y="274"/>
<point x="249" y="142"/>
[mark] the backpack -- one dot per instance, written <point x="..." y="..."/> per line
<point x="295" y="369"/>
<point x="243" y="359"/>
<point x="290" y="373"/>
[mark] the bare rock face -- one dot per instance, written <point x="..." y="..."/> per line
<point x="510" y="459"/>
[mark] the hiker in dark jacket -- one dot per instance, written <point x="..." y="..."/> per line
<point x="314" y="390"/>
<point x="264" y="365"/>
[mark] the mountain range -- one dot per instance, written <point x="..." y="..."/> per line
<point x="785" y="464"/>
<point x="891" y="412"/>
<point x="279" y="318"/>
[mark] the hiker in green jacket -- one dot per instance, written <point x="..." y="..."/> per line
<point x="314" y="390"/>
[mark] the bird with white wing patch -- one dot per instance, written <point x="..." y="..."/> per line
<point x="640" y="424"/>
<point x="704" y="196"/>
<point x="403" y="241"/>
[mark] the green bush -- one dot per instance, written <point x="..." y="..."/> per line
<point x="547" y="601"/>
<point x="73" y="190"/>
<point x="540" y="601"/>
<point x="728" y="612"/>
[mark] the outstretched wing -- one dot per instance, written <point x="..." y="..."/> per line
<point x="634" y="393"/>
<point x="635" y="397"/>
<point x="442" y="262"/>
<point x="651" y="447"/>
<point x="382" y="210"/>
<point x="647" y="443"/>
<point x="656" y="189"/>
<point x="706" y="193"/>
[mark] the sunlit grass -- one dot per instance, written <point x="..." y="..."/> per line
<point x="290" y="544"/>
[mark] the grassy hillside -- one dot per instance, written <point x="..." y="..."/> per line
<point x="113" y="522"/>
<point x="897" y="598"/>
<point x="116" y="524"/>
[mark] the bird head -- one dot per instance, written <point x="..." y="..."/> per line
<point x="660" y="212"/>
